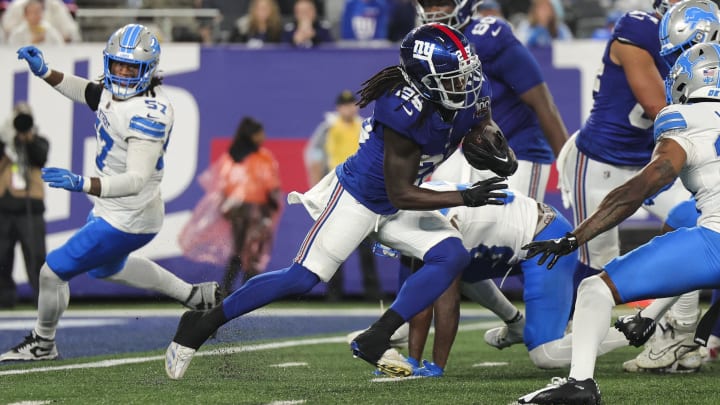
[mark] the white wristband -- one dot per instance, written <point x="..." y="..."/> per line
<point x="86" y="184"/>
<point x="47" y="74"/>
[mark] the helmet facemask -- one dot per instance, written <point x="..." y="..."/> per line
<point x="457" y="89"/>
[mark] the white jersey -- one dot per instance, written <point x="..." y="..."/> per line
<point x="695" y="127"/>
<point x="142" y="117"/>
<point x="496" y="230"/>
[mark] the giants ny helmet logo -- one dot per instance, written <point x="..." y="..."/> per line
<point x="423" y="50"/>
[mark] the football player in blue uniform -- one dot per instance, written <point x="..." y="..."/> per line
<point x="521" y="101"/>
<point x="494" y="236"/>
<point x="134" y="119"/>
<point x="423" y="109"/>
<point x="686" y="147"/>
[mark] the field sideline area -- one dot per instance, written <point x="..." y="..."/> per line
<point x="292" y="352"/>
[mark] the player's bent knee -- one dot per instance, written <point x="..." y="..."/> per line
<point x="450" y="251"/>
<point x="542" y="358"/>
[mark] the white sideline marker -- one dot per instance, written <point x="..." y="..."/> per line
<point x="297" y="401"/>
<point x="491" y="364"/>
<point x="395" y="379"/>
<point x="291" y="364"/>
<point x="31" y="403"/>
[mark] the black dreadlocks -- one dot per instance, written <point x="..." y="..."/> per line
<point x="383" y="82"/>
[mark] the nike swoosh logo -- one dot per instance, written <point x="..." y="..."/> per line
<point x="656" y="355"/>
<point x="39" y="351"/>
<point x="505" y="159"/>
<point x="495" y="32"/>
<point x="152" y="117"/>
<point x="409" y="112"/>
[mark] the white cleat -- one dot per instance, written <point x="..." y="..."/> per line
<point x="671" y="349"/>
<point x="394" y="364"/>
<point x="507" y="335"/>
<point x="177" y="360"/>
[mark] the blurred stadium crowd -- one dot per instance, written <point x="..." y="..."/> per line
<point x="301" y="23"/>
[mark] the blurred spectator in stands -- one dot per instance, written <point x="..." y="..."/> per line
<point x="262" y="24"/>
<point x="287" y="8"/>
<point x="365" y="20"/>
<point x="403" y="18"/>
<point x="490" y="8"/>
<point x="253" y="201"/>
<point x="543" y="25"/>
<point x="220" y="29"/>
<point x="306" y="30"/>
<point x="242" y="187"/>
<point x="604" y="33"/>
<point x="334" y="140"/>
<point x="23" y="152"/>
<point x="35" y="29"/>
<point x="55" y="11"/>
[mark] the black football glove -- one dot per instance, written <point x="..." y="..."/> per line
<point x="552" y="248"/>
<point x="482" y="193"/>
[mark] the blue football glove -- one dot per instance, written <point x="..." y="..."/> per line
<point x="35" y="60"/>
<point x="62" y="178"/>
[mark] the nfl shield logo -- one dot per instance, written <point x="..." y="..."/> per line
<point x="709" y="75"/>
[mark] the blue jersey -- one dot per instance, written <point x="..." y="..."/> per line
<point x="618" y="132"/>
<point x="512" y="70"/>
<point x="411" y="116"/>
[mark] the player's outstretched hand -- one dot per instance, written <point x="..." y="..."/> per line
<point x="34" y="58"/>
<point x="552" y="249"/>
<point x="484" y="193"/>
<point x="62" y="178"/>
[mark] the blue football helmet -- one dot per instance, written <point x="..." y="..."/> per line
<point x="135" y="45"/>
<point x="438" y="62"/>
<point x="458" y="17"/>
<point x="688" y="23"/>
<point x="695" y="74"/>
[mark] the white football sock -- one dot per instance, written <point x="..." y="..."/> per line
<point x="143" y="273"/>
<point x="593" y="310"/>
<point x="658" y="307"/>
<point x="685" y="311"/>
<point x="53" y="299"/>
<point x="487" y="294"/>
<point x="558" y="353"/>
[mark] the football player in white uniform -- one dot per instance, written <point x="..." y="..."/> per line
<point x="133" y="125"/>
<point x="688" y="146"/>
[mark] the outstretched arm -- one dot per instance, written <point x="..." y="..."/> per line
<point x="75" y="88"/>
<point x="667" y="161"/>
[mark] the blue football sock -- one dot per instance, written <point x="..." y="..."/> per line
<point x="268" y="287"/>
<point x="443" y="262"/>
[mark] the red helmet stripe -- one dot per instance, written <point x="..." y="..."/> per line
<point x="454" y="38"/>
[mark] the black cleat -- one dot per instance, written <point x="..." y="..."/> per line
<point x="636" y="328"/>
<point x="374" y="348"/>
<point x="563" y="391"/>
<point x="193" y="329"/>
